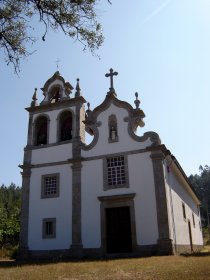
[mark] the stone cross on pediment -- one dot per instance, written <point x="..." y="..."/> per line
<point x="111" y="74"/>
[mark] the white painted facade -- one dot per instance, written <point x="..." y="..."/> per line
<point x="82" y="176"/>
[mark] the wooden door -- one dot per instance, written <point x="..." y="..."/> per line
<point x="118" y="230"/>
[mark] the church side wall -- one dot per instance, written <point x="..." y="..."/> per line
<point x="177" y="196"/>
<point x="141" y="183"/>
<point x="58" y="207"/>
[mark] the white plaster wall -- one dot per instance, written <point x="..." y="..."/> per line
<point x="53" y="122"/>
<point x="179" y="226"/>
<point x="52" y="154"/>
<point x="126" y="143"/>
<point x="92" y="184"/>
<point x="59" y="208"/>
<point x="141" y="182"/>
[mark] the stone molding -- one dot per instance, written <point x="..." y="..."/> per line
<point x="63" y="104"/>
<point x="72" y="160"/>
<point x="94" y="129"/>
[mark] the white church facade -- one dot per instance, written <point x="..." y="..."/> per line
<point x="122" y="193"/>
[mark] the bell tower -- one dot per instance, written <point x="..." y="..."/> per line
<point x="55" y="134"/>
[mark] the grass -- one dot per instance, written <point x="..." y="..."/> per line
<point x="151" y="268"/>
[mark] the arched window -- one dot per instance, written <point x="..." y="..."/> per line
<point x="65" y="126"/>
<point x="41" y="131"/>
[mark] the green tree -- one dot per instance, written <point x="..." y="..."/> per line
<point x="201" y="183"/>
<point x="76" y="18"/>
<point x="10" y="203"/>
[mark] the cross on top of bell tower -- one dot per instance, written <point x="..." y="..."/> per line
<point x="111" y="74"/>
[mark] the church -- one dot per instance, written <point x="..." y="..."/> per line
<point x="119" y="194"/>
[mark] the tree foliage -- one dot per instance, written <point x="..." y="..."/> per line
<point x="76" y="18"/>
<point x="10" y="202"/>
<point x="201" y="183"/>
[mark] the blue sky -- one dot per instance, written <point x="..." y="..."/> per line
<point x="160" y="48"/>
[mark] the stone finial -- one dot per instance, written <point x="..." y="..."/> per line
<point x="137" y="101"/>
<point x="78" y="90"/>
<point x="88" y="111"/>
<point x="111" y="74"/>
<point x="34" y="99"/>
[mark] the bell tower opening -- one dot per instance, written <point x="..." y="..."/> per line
<point x="41" y="131"/>
<point x="65" y="122"/>
<point x="55" y="95"/>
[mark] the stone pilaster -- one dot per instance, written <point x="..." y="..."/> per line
<point x="23" y="251"/>
<point x="76" y="207"/>
<point x="30" y="130"/>
<point x="80" y="126"/>
<point x="165" y="243"/>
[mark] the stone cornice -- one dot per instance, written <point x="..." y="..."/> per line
<point x="119" y="103"/>
<point x="58" y="105"/>
<point x="117" y="197"/>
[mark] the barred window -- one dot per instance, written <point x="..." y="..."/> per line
<point x="50" y="186"/>
<point x="116" y="171"/>
<point x="49" y="228"/>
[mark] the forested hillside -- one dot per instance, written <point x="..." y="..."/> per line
<point x="201" y="183"/>
<point x="10" y="201"/>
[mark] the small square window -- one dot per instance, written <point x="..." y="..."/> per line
<point x="50" y="186"/>
<point x="49" y="228"/>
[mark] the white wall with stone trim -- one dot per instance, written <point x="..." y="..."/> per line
<point x="92" y="187"/>
<point x="177" y="194"/>
<point x="58" y="207"/>
<point x="126" y="143"/>
<point x="142" y="183"/>
<point x="51" y="154"/>
<point x="140" y="165"/>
